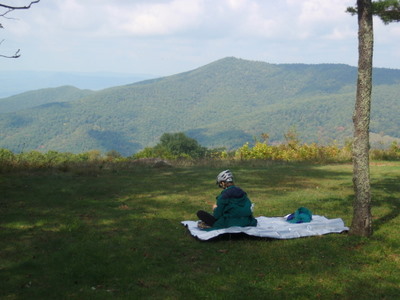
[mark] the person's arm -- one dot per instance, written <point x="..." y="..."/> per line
<point x="219" y="207"/>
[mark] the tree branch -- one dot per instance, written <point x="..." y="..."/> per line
<point x="16" y="55"/>
<point x="9" y="9"/>
<point x="387" y="10"/>
<point x="19" y="7"/>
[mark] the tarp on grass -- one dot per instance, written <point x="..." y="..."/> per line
<point x="275" y="228"/>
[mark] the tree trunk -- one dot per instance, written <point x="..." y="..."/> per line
<point x="362" y="223"/>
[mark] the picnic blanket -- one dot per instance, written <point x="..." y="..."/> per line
<point x="274" y="227"/>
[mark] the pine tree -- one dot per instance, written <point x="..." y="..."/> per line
<point x="388" y="11"/>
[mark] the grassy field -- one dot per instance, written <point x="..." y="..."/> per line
<point x="116" y="234"/>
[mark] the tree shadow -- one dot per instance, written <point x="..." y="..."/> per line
<point x="384" y="195"/>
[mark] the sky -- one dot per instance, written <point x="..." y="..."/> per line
<point x="166" y="37"/>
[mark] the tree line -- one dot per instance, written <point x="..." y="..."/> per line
<point x="178" y="146"/>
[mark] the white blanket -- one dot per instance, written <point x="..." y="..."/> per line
<point x="276" y="228"/>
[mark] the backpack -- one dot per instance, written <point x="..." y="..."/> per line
<point x="301" y="215"/>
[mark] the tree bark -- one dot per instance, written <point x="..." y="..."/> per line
<point x="362" y="219"/>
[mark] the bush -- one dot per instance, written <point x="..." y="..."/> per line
<point x="393" y="153"/>
<point x="113" y="154"/>
<point x="7" y="159"/>
<point x="173" y="146"/>
<point x="292" y="151"/>
<point x="32" y="159"/>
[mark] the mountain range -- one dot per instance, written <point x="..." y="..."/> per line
<point x="222" y="104"/>
<point x="16" y="82"/>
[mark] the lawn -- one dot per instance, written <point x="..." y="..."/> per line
<point x="116" y="234"/>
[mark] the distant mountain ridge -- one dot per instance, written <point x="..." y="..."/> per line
<point x="222" y="104"/>
<point x="41" y="97"/>
<point x="16" y="82"/>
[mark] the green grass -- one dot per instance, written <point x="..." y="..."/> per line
<point x="117" y="235"/>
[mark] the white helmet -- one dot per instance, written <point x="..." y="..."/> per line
<point x="226" y="176"/>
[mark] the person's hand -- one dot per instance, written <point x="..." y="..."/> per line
<point x="214" y="206"/>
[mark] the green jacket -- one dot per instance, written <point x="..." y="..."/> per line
<point x="233" y="209"/>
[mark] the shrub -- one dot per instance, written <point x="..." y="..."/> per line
<point x="393" y="153"/>
<point x="173" y="146"/>
<point x="293" y="151"/>
<point x="7" y="159"/>
<point x="112" y="154"/>
<point x="32" y="159"/>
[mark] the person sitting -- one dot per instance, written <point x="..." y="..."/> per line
<point x="232" y="208"/>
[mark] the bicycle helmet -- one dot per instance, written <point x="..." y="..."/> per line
<point x="225" y="176"/>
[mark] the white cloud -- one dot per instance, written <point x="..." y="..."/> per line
<point x="169" y="36"/>
<point x="341" y="34"/>
<point x="261" y="21"/>
<point x="236" y="5"/>
<point x="326" y="19"/>
<point x="287" y="20"/>
<point x="322" y="11"/>
<point x="155" y="18"/>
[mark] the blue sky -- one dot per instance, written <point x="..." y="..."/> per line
<point x="165" y="37"/>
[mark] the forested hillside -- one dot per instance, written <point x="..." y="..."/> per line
<point x="40" y="97"/>
<point x="16" y="82"/>
<point x="223" y="104"/>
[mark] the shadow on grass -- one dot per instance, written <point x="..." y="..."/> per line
<point x="119" y="234"/>
<point x="386" y="194"/>
<point x="285" y="269"/>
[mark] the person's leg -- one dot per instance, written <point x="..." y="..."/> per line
<point x="206" y="217"/>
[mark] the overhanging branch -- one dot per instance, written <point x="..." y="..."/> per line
<point x="16" y="54"/>
<point x="19" y="7"/>
<point x="10" y="8"/>
<point x="387" y="10"/>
